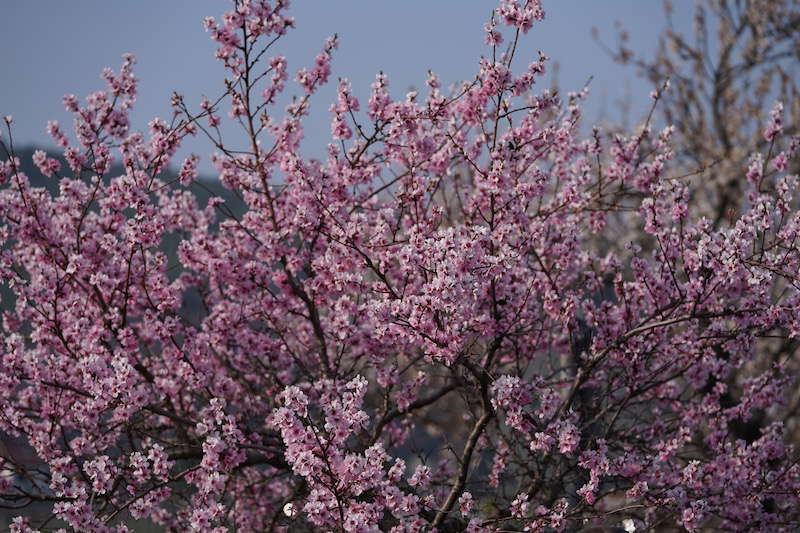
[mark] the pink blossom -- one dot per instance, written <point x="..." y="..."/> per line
<point x="468" y="313"/>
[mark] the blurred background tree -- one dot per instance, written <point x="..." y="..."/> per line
<point x="741" y="57"/>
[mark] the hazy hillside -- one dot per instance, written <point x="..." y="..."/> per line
<point x="206" y="187"/>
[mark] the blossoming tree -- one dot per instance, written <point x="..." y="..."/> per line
<point x="432" y="329"/>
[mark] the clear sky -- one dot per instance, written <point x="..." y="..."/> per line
<point x="57" y="47"/>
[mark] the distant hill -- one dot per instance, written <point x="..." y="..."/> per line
<point x="205" y="188"/>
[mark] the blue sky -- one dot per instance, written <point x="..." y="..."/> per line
<point x="55" y="47"/>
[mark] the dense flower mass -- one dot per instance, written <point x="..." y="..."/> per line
<point x="435" y="328"/>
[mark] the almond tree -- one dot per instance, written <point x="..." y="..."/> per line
<point x="425" y="331"/>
